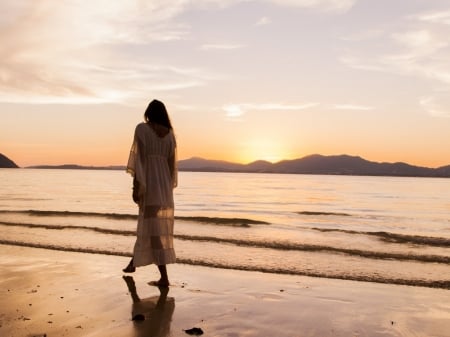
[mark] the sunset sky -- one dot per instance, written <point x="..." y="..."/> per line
<point x="242" y="80"/>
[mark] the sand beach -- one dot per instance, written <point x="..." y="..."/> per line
<point x="55" y="293"/>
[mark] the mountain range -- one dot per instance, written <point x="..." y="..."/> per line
<point x="312" y="164"/>
<point x="77" y="167"/>
<point x="317" y="164"/>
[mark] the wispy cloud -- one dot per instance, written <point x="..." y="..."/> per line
<point x="352" y="107"/>
<point x="420" y="43"/>
<point x="361" y="63"/>
<point x="363" y="35"/>
<point x="79" y="51"/>
<point x="233" y="110"/>
<point x="280" y="106"/>
<point x="420" y="52"/>
<point x="70" y="52"/>
<point x="263" y="21"/>
<point x="237" y="110"/>
<point x="89" y="84"/>
<point x="221" y="46"/>
<point x="411" y="46"/>
<point x="437" y="105"/>
<point x="325" y="5"/>
<point x="442" y="17"/>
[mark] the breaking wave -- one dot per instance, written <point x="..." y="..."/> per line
<point x="323" y="213"/>
<point x="395" y="237"/>
<point x="444" y="284"/>
<point x="277" y="245"/>
<point x="26" y="218"/>
<point x="238" y="222"/>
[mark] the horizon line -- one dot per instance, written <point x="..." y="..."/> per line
<point x="240" y="163"/>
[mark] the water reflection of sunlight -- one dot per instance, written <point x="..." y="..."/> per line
<point x="152" y="316"/>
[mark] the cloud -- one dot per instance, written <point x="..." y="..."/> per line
<point x="363" y="35"/>
<point x="263" y="21"/>
<point x="437" y="104"/>
<point x="352" y="107"/>
<point x="71" y="52"/>
<point x="340" y="6"/>
<point x="237" y="110"/>
<point x="219" y="46"/>
<point x="420" y="43"/>
<point x="426" y="55"/>
<point x="233" y="110"/>
<point x="280" y="106"/>
<point x="361" y="63"/>
<point x="414" y="48"/>
<point x="441" y="17"/>
<point x="79" y="51"/>
<point x="80" y="83"/>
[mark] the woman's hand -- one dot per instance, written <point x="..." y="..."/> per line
<point x="135" y="196"/>
<point x="135" y="191"/>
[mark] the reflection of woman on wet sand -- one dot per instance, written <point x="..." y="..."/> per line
<point x="152" y="315"/>
<point x="152" y="163"/>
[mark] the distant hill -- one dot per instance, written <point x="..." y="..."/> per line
<point x="444" y="171"/>
<point x="5" y="162"/>
<point x="200" y="164"/>
<point x="76" y="167"/>
<point x="317" y="164"/>
<point x="313" y="164"/>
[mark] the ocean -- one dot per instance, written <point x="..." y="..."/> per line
<point x="393" y="230"/>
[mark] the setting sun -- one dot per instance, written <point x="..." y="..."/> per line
<point x="263" y="149"/>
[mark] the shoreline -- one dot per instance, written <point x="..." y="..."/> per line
<point x="433" y="284"/>
<point x="61" y="293"/>
<point x="312" y="173"/>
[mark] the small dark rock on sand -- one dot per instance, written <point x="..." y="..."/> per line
<point x="194" y="331"/>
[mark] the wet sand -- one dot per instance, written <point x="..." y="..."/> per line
<point x="54" y="293"/>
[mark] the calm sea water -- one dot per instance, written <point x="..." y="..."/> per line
<point x="375" y="229"/>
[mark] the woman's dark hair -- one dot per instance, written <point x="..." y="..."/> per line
<point x="156" y="113"/>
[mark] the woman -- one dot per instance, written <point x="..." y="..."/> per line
<point x="152" y="163"/>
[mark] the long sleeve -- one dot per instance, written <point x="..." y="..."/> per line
<point x="136" y="162"/>
<point x="173" y="167"/>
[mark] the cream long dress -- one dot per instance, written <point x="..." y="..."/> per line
<point x="152" y="163"/>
